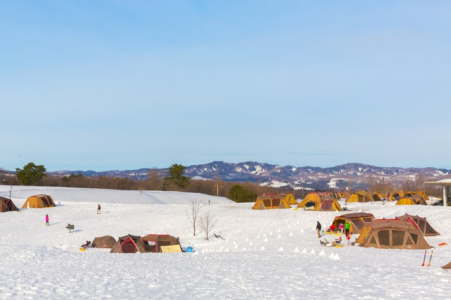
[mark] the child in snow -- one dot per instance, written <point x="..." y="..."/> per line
<point x="341" y="227"/>
<point x="47" y="220"/>
<point x="98" y="208"/>
<point x="347" y="227"/>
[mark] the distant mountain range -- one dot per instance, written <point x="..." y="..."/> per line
<point x="355" y="175"/>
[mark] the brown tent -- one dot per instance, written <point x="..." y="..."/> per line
<point x="361" y="196"/>
<point x="128" y="244"/>
<point x="422" y="224"/>
<point x="155" y="241"/>
<point x="328" y="204"/>
<point x="376" y="197"/>
<point x="271" y="201"/>
<point x="447" y="266"/>
<point x="39" y="201"/>
<point x="7" y="205"/>
<point x="394" y="234"/>
<point x="106" y="241"/>
<point x="356" y="220"/>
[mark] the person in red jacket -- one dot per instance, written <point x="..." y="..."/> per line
<point x="332" y="227"/>
<point x="47" y="220"/>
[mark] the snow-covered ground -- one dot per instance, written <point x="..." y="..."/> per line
<point x="261" y="258"/>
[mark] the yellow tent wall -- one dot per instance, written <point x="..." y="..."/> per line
<point x="271" y="202"/>
<point x="33" y="202"/>
<point x="312" y="197"/>
<point x="290" y="199"/>
<point x="405" y="201"/>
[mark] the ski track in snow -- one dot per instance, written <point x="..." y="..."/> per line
<point x="39" y="262"/>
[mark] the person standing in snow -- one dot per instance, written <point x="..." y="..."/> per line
<point x="47" y="220"/>
<point x="347" y="227"/>
<point x="98" y="208"/>
<point x="341" y="226"/>
<point x="318" y="228"/>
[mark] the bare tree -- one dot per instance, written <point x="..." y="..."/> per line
<point x="196" y="206"/>
<point x="207" y="223"/>
<point x="155" y="180"/>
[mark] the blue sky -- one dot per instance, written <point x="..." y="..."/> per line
<point x="105" y="85"/>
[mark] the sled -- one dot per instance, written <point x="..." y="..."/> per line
<point x="442" y="244"/>
<point x="338" y="246"/>
<point x="82" y="249"/>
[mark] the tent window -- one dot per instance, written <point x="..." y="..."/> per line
<point x="327" y="205"/>
<point x="414" y="237"/>
<point x="367" y="219"/>
<point x="384" y="237"/>
<point x="267" y="202"/>
<point x="409" y="241"/>
<point x="276" y="202"/>
<point x="358" y="223"/>
<point x="397" y="237"/>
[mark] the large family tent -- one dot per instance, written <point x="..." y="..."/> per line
<point x="311" y="198"/>
<point x="271" y="201"/>
<point x="422" y="224"/>
<point x="39" y="201"/>
<point x="325" y="204"/>
<point x="361" y="196"/>
<point x="414" y="200"/>
<point x="356" y="220"/>
<point x="128" y="244"/>
<point x="7" y="205"/>
<point x="154" y="242"/>
<point x="393" y="234"/>
<point x="106" y="241"/>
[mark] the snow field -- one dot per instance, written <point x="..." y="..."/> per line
<point x="265" y="254"/>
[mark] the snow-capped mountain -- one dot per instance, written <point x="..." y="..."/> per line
<point x="355" y="174"/>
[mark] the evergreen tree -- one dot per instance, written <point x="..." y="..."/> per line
<point x="176" y="172"/>
<point x="30" y="174"/>
<point x="239" y="193"/>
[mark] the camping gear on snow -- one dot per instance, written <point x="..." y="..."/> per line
<point x="271" y="201"/>
<point x="106" y="241"/>
<point x="70" y="227"/>
<point x="356" y="220"/>
<point x="39" y="201"/>
<point x="85" y="245"/>
<point x="422" y="224"/>
<point x="393" y="234"/>
<point x="7" y="205"/>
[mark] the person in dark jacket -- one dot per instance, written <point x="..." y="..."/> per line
<point x="98" y="208"/>
<point x="318" y="228"/>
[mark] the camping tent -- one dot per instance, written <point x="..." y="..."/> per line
<point x="393" y="234"/>
<point x="422" y="194"/>
<point x="156" y="241"/>
<point x="356" y="220"/>
<point x="39" y="201"/>
<point x="128" y="244"/>
<point x="414" y="200"/>
<point x="270" y="201"/>
<point x="361" y="196"/>
<point x="377" y="197"/>
<point x="290" y="199"/>
<point x="447" y="266"/>
<point x="7" y="205"/>
<point x="106" y="241"/>
<point x="311" y="197"/>
<point x="422" y="224"/>
<point x="325" y="204"/>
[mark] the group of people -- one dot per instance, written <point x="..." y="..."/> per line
<point x="343" y="227"/>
